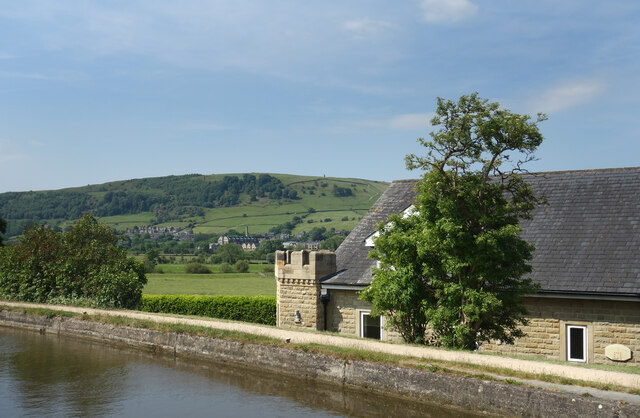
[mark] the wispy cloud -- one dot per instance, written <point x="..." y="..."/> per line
<point x="404" y="122"/>
<point x="365" y="28"/>
<point x="297" y="42"/>
<point x="566" y="95"/>
<point x="410" y="121"/>
<point x="447" y="11"/>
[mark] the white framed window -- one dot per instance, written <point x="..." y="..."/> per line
<point x="370" y="327"/>
<point x="577" y="343"/>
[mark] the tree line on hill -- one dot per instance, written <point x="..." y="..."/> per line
<point x="168" y="197"/>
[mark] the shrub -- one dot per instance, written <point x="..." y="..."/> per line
<point x="241" y="266"/>
<point x="256" y="309"/>
<point x="196" y="268"/>
<point x="226" y="268"/>
<point x="342" y="191"/>
<point x="84" y="264"/>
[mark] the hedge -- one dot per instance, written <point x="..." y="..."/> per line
<point x="256" y="309"/>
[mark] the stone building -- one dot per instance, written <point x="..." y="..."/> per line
<point x="587" y="263"/>
<point x="245" y="242"/>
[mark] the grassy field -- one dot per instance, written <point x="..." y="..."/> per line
<point x="174" y="281"/>
<point x="230" y="284"/>
<point x="179" y="268"/>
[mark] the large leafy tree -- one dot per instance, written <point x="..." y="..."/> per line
<point x="83" y="265"/>
<point x="228" y="253"/>
<point x="457" y="266"/>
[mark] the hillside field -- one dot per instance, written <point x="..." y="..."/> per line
<point x="264" y="214"/>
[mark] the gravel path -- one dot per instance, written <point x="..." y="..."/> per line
<point x="530" y="366"/>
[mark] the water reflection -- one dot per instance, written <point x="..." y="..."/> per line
<point x="44" y="375"/>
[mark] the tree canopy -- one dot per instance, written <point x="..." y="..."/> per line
<point x="83" y="265"/>
<point x="227" y="253"/>
<point x="3" y="229"/>
<point x="456" y="267"/>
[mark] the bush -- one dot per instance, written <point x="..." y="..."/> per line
<point x="196" y="268"/>
<point x="242" y="266"/>
<point x="256" y="309"/>
<point x="226" y="268"/>
<point x="84" y="264"/>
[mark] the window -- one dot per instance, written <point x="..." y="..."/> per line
<point x="577" y="343"/>
<point x="370" y="326"/>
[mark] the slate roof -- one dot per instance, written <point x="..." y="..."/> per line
<point x="587" y="236"/>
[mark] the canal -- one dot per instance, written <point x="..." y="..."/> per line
<point x="47" y="375"/>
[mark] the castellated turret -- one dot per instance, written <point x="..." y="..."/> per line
<point x="298" y="275"/>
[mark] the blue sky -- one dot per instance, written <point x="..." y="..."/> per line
<point x="96" y="91"/>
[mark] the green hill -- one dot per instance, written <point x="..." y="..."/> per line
<point x="208" y="203"/>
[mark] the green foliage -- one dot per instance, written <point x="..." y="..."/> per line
<point x="269" y="268"/>
<point x="332" y="243"/>
<point x="226" y="268"/>
<point x="228" y="253"/>
<point x="269" y="246"/>
<point x="150" y="260"/>
<point x="3" y="229"/>
<point x="342" y="191"/>
<point x="256" y="309"/>
<point x="318" y="233"/>
<point x="457" y="264"/>
<point x="241" y="266"/>
<point x="83" y="264"/>
<point x="196" y="268"/>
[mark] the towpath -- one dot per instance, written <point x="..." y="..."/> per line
<point x="630" y="380"/>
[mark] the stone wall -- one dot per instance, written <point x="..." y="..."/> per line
<point x="607" y="322"/>
<point x="298" y="287"/>
<point x="343" y="311"/>
<point x="344" y="314"/>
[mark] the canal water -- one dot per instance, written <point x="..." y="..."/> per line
<point x="51" y="376"/>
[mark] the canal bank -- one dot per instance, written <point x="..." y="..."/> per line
<point x="412" y="383"/>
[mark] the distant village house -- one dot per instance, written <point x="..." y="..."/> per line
<point x="155" y="232"/>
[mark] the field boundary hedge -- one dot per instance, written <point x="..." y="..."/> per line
<point x="255" y="309"/>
